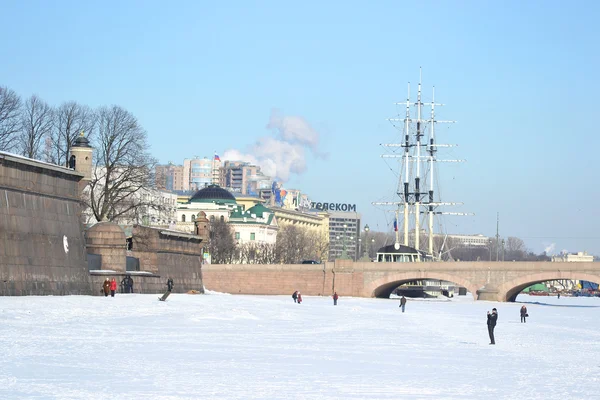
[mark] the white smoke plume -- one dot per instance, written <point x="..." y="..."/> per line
<point x="283" y="154"/>
<point x="550" y="249"/>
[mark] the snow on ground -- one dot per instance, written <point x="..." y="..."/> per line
<point x="266" y="347"/>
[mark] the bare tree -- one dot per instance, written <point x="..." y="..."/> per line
<point x="318" y="246"/>
<point x="70" y="120"/>
<point x="123" y="166"/>
<point x="10" y="107"/>
<point x="221" y="244"/>
<point x="37" y="120"/>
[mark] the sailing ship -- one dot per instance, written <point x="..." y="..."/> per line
<point x="416" y="198"/>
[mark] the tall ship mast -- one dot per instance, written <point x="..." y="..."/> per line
<point x="416" y="154"/>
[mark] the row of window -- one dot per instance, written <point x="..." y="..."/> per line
<point x="193" y="218"/>
<point x="252" y="236"/>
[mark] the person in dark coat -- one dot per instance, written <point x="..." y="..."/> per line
<point x="491" y="323"/>
<point x="403" y="303"/>
<point x="295" y="296"/>
<point x="524" y="313"/>
<point x="335" y="298"/>
<point x="113" y="287"/>
<point x="170" y="284"/>
<point x="106" y="287"/>
<point x="559" y="295"/>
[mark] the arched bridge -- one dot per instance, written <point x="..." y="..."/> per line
<point x="496" y="281"/>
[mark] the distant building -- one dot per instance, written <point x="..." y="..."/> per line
<point x="580" y="256"/>
<point x="243" y="177"/>
<point x="256" y="224"/>
<point x="344" y="232"/>
<point x="156" y="208"/>
<point x="199" y="173"/>
<point x="169" y="177"/>
<point x="462" y="240"/>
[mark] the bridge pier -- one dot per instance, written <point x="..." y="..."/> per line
<point x="488" y="293"/>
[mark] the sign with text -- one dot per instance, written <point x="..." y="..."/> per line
<point x="334" y="206"/>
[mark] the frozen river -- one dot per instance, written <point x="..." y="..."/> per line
<point x="266" y="347"/>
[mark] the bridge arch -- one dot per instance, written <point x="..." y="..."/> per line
<point x="383" y="286"/>
<point x="509" y="291"/>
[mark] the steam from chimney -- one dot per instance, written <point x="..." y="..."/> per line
<point x="284" y="153"/>
<point x="550" y="249"/>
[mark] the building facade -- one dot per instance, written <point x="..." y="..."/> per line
<point x="461" y="240"/>
<point x="200" y="172"/>
<point x="256" y="224"/>
<point x="580" y="256"/>
<point x="244" y="178"/>
<point x="169" y="177"/>
<point x="344" y="232"/>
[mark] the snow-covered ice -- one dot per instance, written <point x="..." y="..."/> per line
<point x="266" y="347"/>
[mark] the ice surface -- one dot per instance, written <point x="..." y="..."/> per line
<point x="266" y="347"/>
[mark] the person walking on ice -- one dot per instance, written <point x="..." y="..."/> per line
<point x="113" y="287"/>
<point x="402" y="303"/>
<point x="524" y="314"/>
<point x="299" y="298"/>
<point x="106" y="287"/>
<point x="335" y="298"/>
<point x="491" y="323"/>
<point x="295" y="296"/>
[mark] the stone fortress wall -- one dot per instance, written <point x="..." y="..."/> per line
<point x="42" y="245"/>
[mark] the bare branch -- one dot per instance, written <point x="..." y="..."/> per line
<point x="123" y="167"/>
<point x="10" y="108"/>
<point x="36" y="124"/>
<point x="70" y="120"/>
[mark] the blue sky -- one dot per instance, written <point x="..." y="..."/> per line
<point x="521" y="79"/>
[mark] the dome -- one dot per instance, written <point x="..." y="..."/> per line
<point x="81" y="141"/>
<point x="212" y="194"/>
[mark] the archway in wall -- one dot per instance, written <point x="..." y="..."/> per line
<point x="566" y="285"/>
<point x="426" y="285"/>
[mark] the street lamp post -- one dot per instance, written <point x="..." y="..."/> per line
<point x="359" y="249"/>
<point x="502" y="249"/>
<point x="366" y="256"/>
<point x="344" y="254"/>
<point x="490" y="248"/>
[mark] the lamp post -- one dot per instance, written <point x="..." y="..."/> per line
<point x="359" y="249"/>
<point x="490" y="248"/>
<point x="502" y="249"/>
<point x="337" y="240"/>
<point x="372" y="244"/>
<point x="344" y="254"/>
<point x="367" y="240"/>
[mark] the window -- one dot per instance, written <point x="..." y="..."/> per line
<point x="183" y="218"/>
<point x="237" y="236"/>
<point x="193" y="217"/>
<point x="222" y="218"/>
<point x="253" y="236"/>
<point x="212" y="219"/>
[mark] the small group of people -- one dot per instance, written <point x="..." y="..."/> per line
<point x="492" y="319"/>
<point x="297" y="297"/>
<point x="109" y="286"/>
